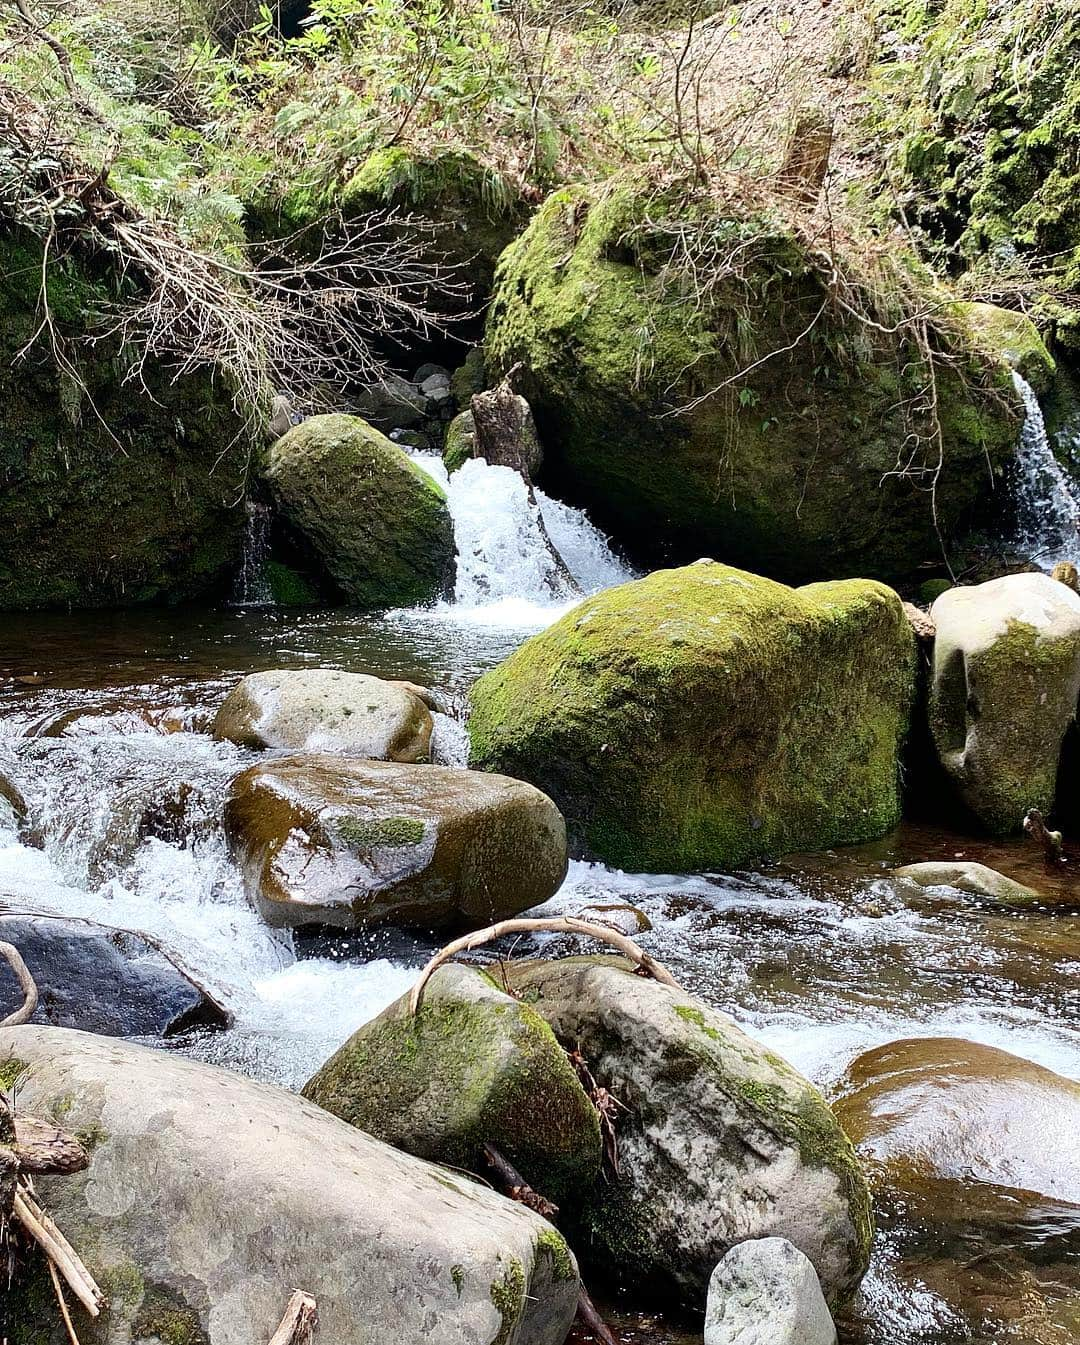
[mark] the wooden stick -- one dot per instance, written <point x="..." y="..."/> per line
<point x="517" y="1188"/>
<point x="26" y="984"/>
<point x="43" y="1147"/>
<point x="59" y="1292"/>
<point x="300" y="1320"/>
<point x="57" y="1248"/>
<point x="563" y="924"/>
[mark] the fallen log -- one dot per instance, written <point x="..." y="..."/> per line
<point x="562" y="924"/>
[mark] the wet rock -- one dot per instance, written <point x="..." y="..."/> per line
<point x="937" y="1117"/>
<point x="117" y="982"/>
<point x="392" y="403"/>
<point x="432" y="373"/>
<point x="702" y="718"/>
<point x="12" y="803"/>
<point x="322" y="710"/>
<point x="460" y="443"/>
<point x="377" y="524"/>
<point x="474" y="1065"/>
<point x="1005" y="682"/>
<point x="968" y="876"/>
<point x="717" y="1139"/>
<point x="325" y="840"/>
<point x="209" y="1197"/>
<point x="765" y="1292"/>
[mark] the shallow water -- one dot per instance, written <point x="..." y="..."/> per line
<point x="104" y="716"/>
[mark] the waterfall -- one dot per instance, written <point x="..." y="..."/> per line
<point x="1046" y="503"/>
<point x="252" y="588"/>
<point x="506" y="573"/>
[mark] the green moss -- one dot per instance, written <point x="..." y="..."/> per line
<point x="289" y="587"/>
<point x="362" y="835"/>
<point x="1003" y="332"/>
<point x="10" y="1069"/>
<point x="756" y="422"/>
<point x="550" y="1242"/>
<point x="508" y="1295"/>
<point x="122" y="1283"/>
<point x="164" y="1317"/>
<point x="676" y="724"/>
<point x="460" y="443"/>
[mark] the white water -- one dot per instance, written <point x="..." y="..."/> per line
<point x="1046" y="501"/>
<point x="506" y="574"/>
<point x="252" y="588"/>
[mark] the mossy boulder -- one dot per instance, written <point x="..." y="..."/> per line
<point x="324" y="710"/>
<point x="210" y="1196"/>
<point x="460" y="443"/>
<point x="1014" y="337"/>
<point x="109" y="495"/>
<point x="340" y="841"/>
<point x="749" y="417"/>
<point x="717" y="1139"/>
<point x="377" y="524"/>
<point x="1003" y="694"/>
<point x="703" y="718"/>
<point x="474" y="1065"/>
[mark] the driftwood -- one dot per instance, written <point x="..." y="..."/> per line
<point x="38" y="1224"/>
<point x="563" y="924"/>
<point x="1051" y="841"/>
<point x="41" y="1146"/>
<point x="299" y="1323"/>
<point x="517" y="1188"/>
<point x="26" y="984"/>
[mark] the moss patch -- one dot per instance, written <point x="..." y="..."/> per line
<point x="508" y="1295"/>
<point x="10" y="1069"/>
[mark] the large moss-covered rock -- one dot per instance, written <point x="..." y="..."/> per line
<point x="1004" y="687"/>
<point x="379" y="525"/>
<point x="717" y="1140"/>
<point x="474" y="1065"/>
<point x="1015" y="338"/>
<point x="327" y="840"/>
<point x="751" y="418"/>
<point x="109" y="495"/>
<point x="210" y="1197"/>
<point x="704" y="717"/>
<point x="324" y="710"/>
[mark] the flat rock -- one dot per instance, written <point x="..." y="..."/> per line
<point x="968" y="876"/>
<point x="117" y="982"/>
<point x="336" y="841"/>
<point x="765" y="1292"/>
<point x="209" y="1198"/>
<point x="718" y="1140"/>
<point x="323" y="710"/>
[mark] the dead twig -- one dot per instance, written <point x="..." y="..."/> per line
<point x="299" y="1323"/>
<point x="41" y="1228"/>
<point x="563" y="924"/>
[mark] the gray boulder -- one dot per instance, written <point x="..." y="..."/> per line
<point x="474" y="1065"/>
<point x="765" y="1292"/>
<point x="968" y="876"/>
<point x="322" y="710"/>
<point x="114" y="981"/>
<point x="717" y="1139"/>
<point x="337" y="841"/>
<point x="392" y="403"/>
<point x="1004" y="688"/>
<point x="209" y="1198"/>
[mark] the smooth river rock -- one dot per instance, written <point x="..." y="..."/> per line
<point x="969" y="876"/>
<point x="718" y="1140"/>
<point x="209" y="1198"/>
<point x="1004" y="688"/>
<point x="336" y="841"/>
<point x="937" y="1117"/>
<point x="765" y="1292"/>
<point x="323" y="710"/>
<point x="474" y="1065"/>
<point x="113" y="981"/>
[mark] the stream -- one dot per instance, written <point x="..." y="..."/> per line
<point x="819" y="956"/>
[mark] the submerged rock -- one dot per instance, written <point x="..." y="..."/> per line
<point x="703" y="717"/>
<point x="717" y="1140"/>
<point x="967" y="876"/>
<point x="378" y="525"/>
<point x="765" y="1292"/>
<point x="1005" y="682"/>
<point x="322" y="710"/>
<point x="475" y="1065"/>
<point x="328" y="840"/>
<point x="686" y="429"/>
<point x="118" y="982"/>
<point x="210" y="1197"/>
<point x="939" y="1118"/>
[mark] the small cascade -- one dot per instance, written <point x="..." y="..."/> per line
<point x="1046" y="503"/>
<point x="252" y="587"/>
<point x="507" y="572"/>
